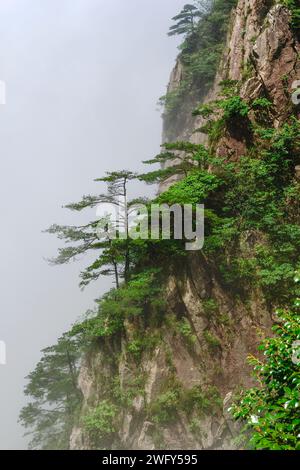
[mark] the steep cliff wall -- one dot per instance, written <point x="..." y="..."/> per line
<point x="176" y="391"/>
<point x="262" y="52"/>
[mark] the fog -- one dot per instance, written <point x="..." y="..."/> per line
<point x="82" y="81"/>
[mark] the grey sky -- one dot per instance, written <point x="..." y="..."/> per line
<point x="83" y="78"/>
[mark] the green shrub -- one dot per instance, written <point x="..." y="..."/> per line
<point x="261" y="103"/>
<point x="212" y="341"/>
<point x="193" y="189"/>
<point x="234" y="108"/>
<point x="100" y="422"/>
<point x="164" y="409"/>
<point x="295" y="11"/>
<point x="130" y="300"/>
<point x="210" y="307"/>
<point x="131" y="388"/>
<point x="194" y="401"/>
<point x="197" y="400"/>
<point x="135" y="347"/>
<point x="186" y="331"/>
<point x="271" y="411"/>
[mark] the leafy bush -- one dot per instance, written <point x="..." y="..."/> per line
<point x="272" y="409"/>
<point x="135" y="348"/>
<point x="100" y="422"/>
<point x="186" y="331"/>
<point x="234" y="108"/>
<point x="130" y="300"/>
<point x="295" y="11"/>
<point x="194" y="189"/>
<point x="164" y="409"/>
<point x="201" y="401"/>
<point x="261" y="103"/>
<point x="212" y="341"/>
<point x="210" y="307"/>
<point x="131" y="387"/>
<point x="193" y="401"/>
<point x="262" y="108"/>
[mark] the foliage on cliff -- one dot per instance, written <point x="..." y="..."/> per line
<point x="200" y="55"/>
<point x="257" y="198"/>
<point x="271" y="410"/>
<point x="295" y="11"/>
<point x="54" y="396"/>
<point x="252" y="240"/>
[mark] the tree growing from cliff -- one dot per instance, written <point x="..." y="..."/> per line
<point x="178" y="159"/>
<point x="52" y="388"/>
<point x="106" y="235"/>
<point x="185" y="21"/>
<point x="201" y="51"/>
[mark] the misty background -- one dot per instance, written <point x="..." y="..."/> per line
<point x="82" y="81"/>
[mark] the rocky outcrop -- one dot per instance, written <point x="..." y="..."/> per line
<point x="262" y="52"/>
<point x="213" y="354"/>
<point x="210" y="353"/>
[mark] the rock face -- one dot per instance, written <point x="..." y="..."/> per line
<point x="260" y="44"/>
<point x="195" y="362"/>
<point x="263" y="52"/>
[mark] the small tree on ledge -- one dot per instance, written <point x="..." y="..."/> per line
<point x="185" y="20"/>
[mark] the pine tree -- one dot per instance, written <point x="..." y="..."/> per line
<point x="52" y="388"/>
<point x="185" y="20"/>
<point x="107" y="235"/>
<point x="179" y="158"/>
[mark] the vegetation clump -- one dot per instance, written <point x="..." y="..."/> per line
<point x="100" y="422"/>
<point x="252" y="240"/>
<point x="271" y="410"/>
<point x="204" y="33"/>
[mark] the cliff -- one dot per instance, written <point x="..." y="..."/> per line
<point x="175" y="390"/>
